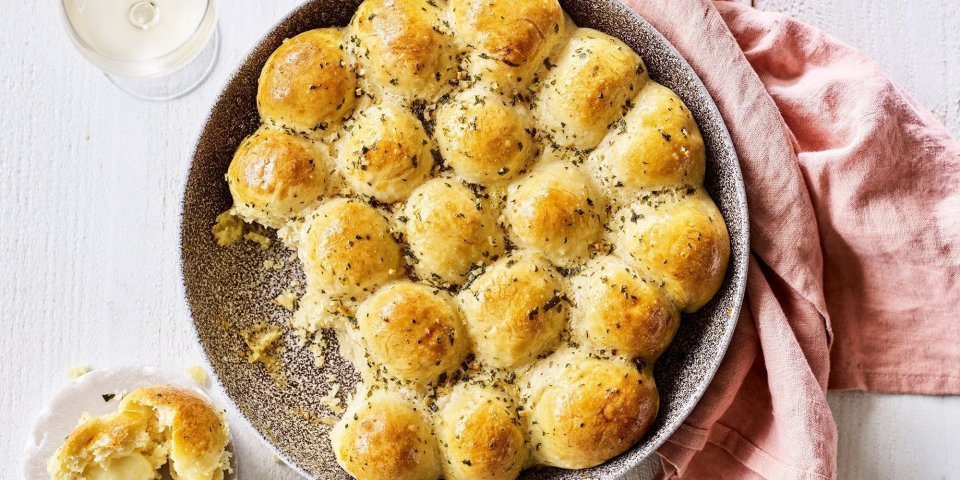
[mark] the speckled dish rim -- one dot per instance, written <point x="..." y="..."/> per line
<point x="737" y="290"/>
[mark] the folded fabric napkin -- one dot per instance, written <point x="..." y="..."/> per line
<point x="854" y="277"/>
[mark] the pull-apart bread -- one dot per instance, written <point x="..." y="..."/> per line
<point x="500" y="213"/>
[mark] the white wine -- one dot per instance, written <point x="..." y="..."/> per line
<point x="140" y="37"/>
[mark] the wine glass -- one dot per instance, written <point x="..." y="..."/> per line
<point x="153" y="49"/>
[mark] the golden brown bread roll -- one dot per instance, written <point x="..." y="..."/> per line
<point x="684" y="242"/>
<point x="153" y="426"/>
<point x="402" y="48"/>
<point x="587" y="88"/>
<point x="449" y="230"/>
<point x="415" y="331"/>
<point x="511" y="38"/>
<point x="480" y="434"/>
<point x="657" y="144"/>
<point x="197" y="432"/>
<point x="347" y="250"/>
<point x="484" y="137"/>
<point x="386" y="153"/>
<point x="384" y="436"/>
<point x="586" y="410"/>
<point x="515" y="310"/>
<point x="556" y="210"/>
<point x="126" y="442"/>
<point x="274" y="176"/>
<point x="619" y="310"/>
<point x="308" y="83"/>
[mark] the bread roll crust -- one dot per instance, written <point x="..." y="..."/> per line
<point x="595" y="410"/>
<point x="386" y="153"/>
<point x="449" y="230"/>
<point x="484" y="137"/>
<point x="683" y="242"/>
<point x="274" y="176"/>
<point x="618" y="310"/>
<point x="589" y="87"/>
<point x="481" y="434"/>
<point x="402" y="47"/>
<point x="307" y="84"/>
<point x="347" y="250"/>
<point x="658" y="144"/>
<point x="515" y="311"/>
<point x="511" y="38"/>
<point x="384" y="436"/>
<point x="556" y="210"/>
<point x="198" y="433"/>
<point x="415" y="331"/>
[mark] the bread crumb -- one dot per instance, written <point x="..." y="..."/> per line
<point x="287" y="300"/>
<point x="271" y="264"/>
<point x="78" y="371"/>
<point x="311" y="417"/>
<point x="258" y="238"/>
<point x="198" y="375"/>
<point x="262" y="341"/>
<point x="331" y="401"/>
<point x="329" y="420"/>
<point x="319" y="359"/>
<point x="228" y="229"/>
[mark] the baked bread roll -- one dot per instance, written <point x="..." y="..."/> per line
<point x="588" y="87"/>
<point x="384" y="436"/>
<point x="684" y="242"/>
<point x="275" y="176"/>
<point x="415" y="331"/>
<point x="307" y="84"/>
<point x="153" y="426"/>
<point x="481" y="435"/>
<point x="484" y="137"/>
<point x="586" y="410"/>
<point x="556" y="210"/>
<point x="347" y="250"/>
<point x="657" y="144"/>
<point x="510" y="38"/>
<point x="195" y="431"/>
<point x="401" y="47"/>
<point x="386" y="153"/>
<point x="126" y="444"/>
<point x="449" y="230"/>
<point x="515" y="310"/>
<point x="618" y="310"/>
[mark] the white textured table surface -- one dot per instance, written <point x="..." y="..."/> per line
<point x="90" y="198"/>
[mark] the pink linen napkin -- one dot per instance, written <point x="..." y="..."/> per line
<point x="854" y="278"/>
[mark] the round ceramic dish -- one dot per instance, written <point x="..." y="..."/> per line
<point x="228" y="289"/>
